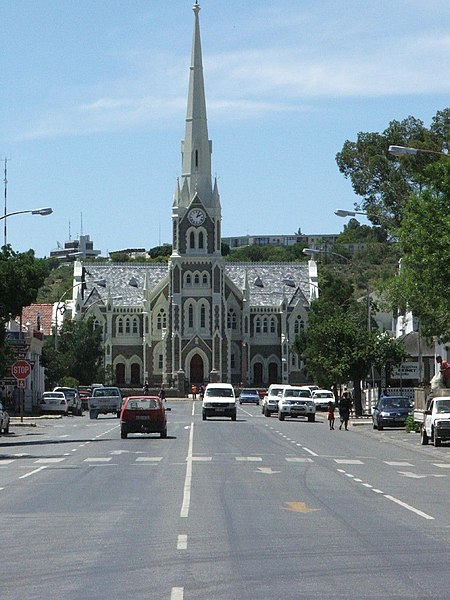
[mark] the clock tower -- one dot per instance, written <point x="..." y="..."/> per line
<point x="197" y="348"/>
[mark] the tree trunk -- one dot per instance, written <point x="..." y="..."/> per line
<point x="357" y="403"/>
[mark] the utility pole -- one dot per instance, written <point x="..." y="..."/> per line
<point x="5" y="181"/>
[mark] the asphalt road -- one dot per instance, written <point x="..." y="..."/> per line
<point x="253" y="509"/>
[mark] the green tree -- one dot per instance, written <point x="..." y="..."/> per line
<point x="79" y="353"/>
<point x="21" y="276"/>
<point x="384" y="182"/>
<point x="336" y="346"/>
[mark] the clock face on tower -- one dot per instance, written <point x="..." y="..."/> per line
<point x="196" y="216"/>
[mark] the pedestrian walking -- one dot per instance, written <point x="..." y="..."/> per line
<point x="345" y="406"/>
<point x="162" y="393"/>
<point x="202" y="392"/>
<point x="194" y="392"/>
<point x="330" y="415"/>
<point x="145" y="389"/>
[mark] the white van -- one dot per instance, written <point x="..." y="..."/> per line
<point x="219" y="401"/>
<point x="296" y="401"/>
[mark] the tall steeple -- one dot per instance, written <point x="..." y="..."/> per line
<point x="196" y="149"/>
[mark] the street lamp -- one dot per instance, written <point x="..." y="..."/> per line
<point x="315" y="252"/>
<point x="34" y="211"/>
<point x="349" y="213"/>
<point x="407" y="150"/>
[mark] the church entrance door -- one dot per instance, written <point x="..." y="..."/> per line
<point x="196" y="374"/>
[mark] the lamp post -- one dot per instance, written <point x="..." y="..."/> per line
<point x="34" y="211"/>
<point x="407" y="150"/>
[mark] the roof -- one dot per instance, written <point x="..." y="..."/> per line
<point x="269" y="283"/>
<point x="31" y="313"/>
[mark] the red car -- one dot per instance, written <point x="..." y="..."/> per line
<point x="143" y="414"/>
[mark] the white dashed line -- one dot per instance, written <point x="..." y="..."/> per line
<point x="32" y="472"/>
<point x="248" y="458"/>
<point x="310" y="451"/>
<point x="182" y="542"/>
<point x="187" y="482"/>
<point x="177" y="593"/>
<point x="49" y="460"/>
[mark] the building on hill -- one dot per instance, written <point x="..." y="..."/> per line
<point x="77" y="249"/>
<point x="197" y="318"/>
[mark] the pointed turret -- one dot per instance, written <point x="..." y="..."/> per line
<point x="196" y="148"/>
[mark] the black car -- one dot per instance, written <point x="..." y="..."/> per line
<point x="391" y="411"/>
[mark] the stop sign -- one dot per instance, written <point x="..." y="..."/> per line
<point x="21" y="369"/>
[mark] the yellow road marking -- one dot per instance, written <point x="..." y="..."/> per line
<point x="299" y="507"/>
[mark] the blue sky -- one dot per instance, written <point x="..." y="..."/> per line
<point x="93" y="102"/>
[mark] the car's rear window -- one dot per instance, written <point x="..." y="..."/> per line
<point x="323" y="395"/>
<point x="219" y="393"/>
<point x="142" y="404"/>
<point x="103" y="392"/>
<point x="252" y="392"/>
<point x="53" y="395"/>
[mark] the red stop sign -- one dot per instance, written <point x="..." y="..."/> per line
<point x="21" y="369"/>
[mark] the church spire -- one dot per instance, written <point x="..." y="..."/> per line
<point x="196" y="148"/>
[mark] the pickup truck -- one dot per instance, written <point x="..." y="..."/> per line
<point x="105" y="400"/>
<point x="435" y="425"/>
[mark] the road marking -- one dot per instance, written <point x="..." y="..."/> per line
<point x="187" y="482"/>
<point x="6" y="461"/>
<point x="248" y="458"/>
<point x="148" y="458"/>
<point x="49" y="460"/>
<point x="193" y="409"/>
<point x="347" y="461"/>
<point x="182" y="542"/>
<point x="299" y="507"/>
<point x="177" y="593"/>
<point x="298" y="459"/>
<point x="32" y="472"/>
<point x="420" y="476"/>
<point x="310" y="451"/>
<point x="266" y="470"/>
<point x="394" y="463"/>
<point x="409" y="507"/>
<point x="202" y="458"/>
<point x="442" y="465"/>
<point x="98" y="459"/>
<point x="245" y="411"/>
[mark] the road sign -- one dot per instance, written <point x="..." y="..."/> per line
<point x="21" y="383"/>
<point x="21" y="369"/>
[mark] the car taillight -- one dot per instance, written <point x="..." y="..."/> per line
<point x="62" y="402"/>
<point x="42" y="401"/>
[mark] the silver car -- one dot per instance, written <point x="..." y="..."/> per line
<point x="73" y="399"/>
<point x="296" y="402"/>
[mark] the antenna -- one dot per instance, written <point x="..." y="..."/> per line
<point x="81" y="217"/>
<point x="70" y="235"/>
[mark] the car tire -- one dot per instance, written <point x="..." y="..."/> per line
<point x="423" y="436"/>
<point x="257" y="404"/>
<point x="436" y="439"/>
<point x="204" y="417"/>
<point x="267" y="413"/>
<point x="374" y="425"/>
<point x="233" y="417"/>
<point x="380" y="427"/>
<point x="240" y="403"/>
<point x="281" y="416"/>
<point x="263" y="410"/>
<point x="6" y="429"/>
<point x="93" y="414"/>
<point x="311" y="418"/>
<point x="123" y="433"/>
<point x="164" y="433"/>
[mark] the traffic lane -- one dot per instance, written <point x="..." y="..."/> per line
<point x="270" y="530"/>
<point x="374" y="461"/>
<point x="104" y="528"/>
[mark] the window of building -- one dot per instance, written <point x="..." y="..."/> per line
<point x="135" y="326"/>
<point x="188" y="279"/>
<point x="299" y="324"/>
<point x="201" y="239"/>
<point x="160" y="362"/>
<point x="203" y="316"/>
<point x="233" y="361"/>
<point x="273" y="325"/>
<point x="192" y="240"/>
<point x="120" y="326"/>
<point x="231" y="319"/>
<point x="191" y="316"/>
<point x="161" y="320"/>
<point x="257" y="325"/>
<point x="265" y="326"/>
<point x="196" y="279"/>
<point x="127" y="327"/>
<point x="205" y="279"/>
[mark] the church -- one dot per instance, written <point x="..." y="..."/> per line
<point x="198" y="318"/>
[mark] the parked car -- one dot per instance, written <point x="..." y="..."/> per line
<point x="391" y="411"/>
<point x="4" y="419"/>
<point x="322" y="397"/>
<point x="143" y="414"/>
<point x="249" y="396"/>
<point x="73" y="399"/>
<point x="296" y="402"/>
<point x="270" y="400"/>
<point x="54" y="402"/>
